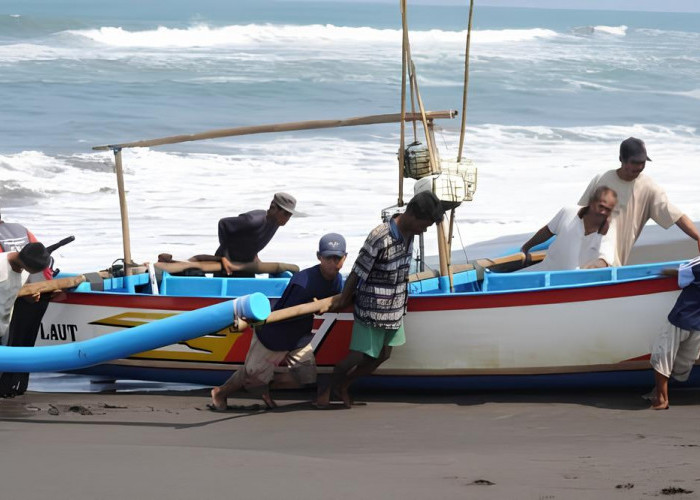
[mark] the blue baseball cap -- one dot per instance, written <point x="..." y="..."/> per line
<point x="332" y="244"/>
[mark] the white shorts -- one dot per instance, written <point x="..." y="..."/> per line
<point x="260" y="364"/>
<point x="302" y="365"/>
<point x="675" y="352"/>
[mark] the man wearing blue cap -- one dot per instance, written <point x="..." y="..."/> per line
<point x="288" y="340"/>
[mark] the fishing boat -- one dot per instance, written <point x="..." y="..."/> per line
<point x="470" y="326"/>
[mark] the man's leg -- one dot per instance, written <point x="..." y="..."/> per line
<point x="264" y="392"/>
<point x="220" y="394"/>
<point x="340" y="373"/>
<point x="366" y="367"/>
<point x="660" y="401"/>
<point x="26" y="318"/>
<point x="663" y="357"/>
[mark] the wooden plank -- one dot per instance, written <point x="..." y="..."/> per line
<point x="50" y="285"/>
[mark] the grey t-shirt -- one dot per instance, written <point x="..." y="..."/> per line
<point x="242" y="237"/>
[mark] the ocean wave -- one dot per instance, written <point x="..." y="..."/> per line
<point x="694" y="94"/>
<point x="40" y="174"/>
<point x="608" y="30"/>
<point x="513" y="161"/>
<point x="611" y="30"/>
<point x="202" y="36"/>
<point x="35" y="52"/>
<point x="585" y="85"/>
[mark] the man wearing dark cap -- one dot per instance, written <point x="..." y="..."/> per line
<point x="27" y="314"/>
<point x="241" y="238"/>
<point x="638" y="199"/>
<point x="15" y="268"/>
<point x="379" y="284"/>
<point x="288" y="340"/>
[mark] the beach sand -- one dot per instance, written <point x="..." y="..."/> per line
<point x="540" y="445"/>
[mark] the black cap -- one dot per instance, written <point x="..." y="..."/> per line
<point x="426" y="206"/>
<point x="633" y="149"/>
<point x="35" y="257"/>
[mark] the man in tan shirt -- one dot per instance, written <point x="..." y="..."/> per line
<point x="638" y="199"/>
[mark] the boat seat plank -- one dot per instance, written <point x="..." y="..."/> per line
<point x="194" y="286"/>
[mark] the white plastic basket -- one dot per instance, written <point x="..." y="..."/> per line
<point x="447" y="187"/>
<point x="465" y="169"/>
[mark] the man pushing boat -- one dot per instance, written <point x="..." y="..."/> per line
<point x="584" y="240"/>
<point x="241" y="238"/>
<point x="379" y="284"/>
<point x="639" y="199"/>
<point x="273" y="343"/>
<point x="15" y="268"/>
<point x="678" y="347"/>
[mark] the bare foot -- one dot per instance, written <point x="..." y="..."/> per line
<point x="658" y="404"/>
<point x="269" y="402"/>
<point x="345" y="395"/>
<point x="216" y="400"/>
<point x="323" y="399"/>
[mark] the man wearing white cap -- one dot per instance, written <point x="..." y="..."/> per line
<point x="241" y="238"/>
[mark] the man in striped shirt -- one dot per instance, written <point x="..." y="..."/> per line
<point x="379" y="283"/>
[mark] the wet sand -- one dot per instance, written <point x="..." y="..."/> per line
<point x="557" y="445"/>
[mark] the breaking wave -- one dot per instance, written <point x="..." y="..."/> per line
<point x="201" y="36"/>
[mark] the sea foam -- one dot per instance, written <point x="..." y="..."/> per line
<point x="176" y="198"/>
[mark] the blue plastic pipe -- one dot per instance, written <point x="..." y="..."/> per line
<point x="184" y="326"/>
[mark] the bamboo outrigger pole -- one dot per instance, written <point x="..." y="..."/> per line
<point x="279" y="127"/>
<point x="231" y="132"/>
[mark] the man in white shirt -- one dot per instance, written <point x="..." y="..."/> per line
<point x="639" y="199"/>
<point x="584" y="239"/>
<point x="15" y="268"/>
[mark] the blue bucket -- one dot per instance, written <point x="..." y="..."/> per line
<point x="253" y="307"/>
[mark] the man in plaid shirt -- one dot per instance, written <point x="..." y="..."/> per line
<point x="379" y="283"/>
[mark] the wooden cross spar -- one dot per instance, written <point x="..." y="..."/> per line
<point x="231" y="132"/>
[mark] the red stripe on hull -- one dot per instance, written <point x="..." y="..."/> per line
<point x="418" y="303"/>
<point x="132" y="301"/>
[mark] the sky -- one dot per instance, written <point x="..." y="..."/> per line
<point x="636" y="5"/>
<point x="646" y="5"/>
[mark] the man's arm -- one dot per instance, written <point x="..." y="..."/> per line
<point x="540" y="237"/>
<point x="689" y="228"/>
<point x="345" y="298"/>
<point x="595" y="264"/>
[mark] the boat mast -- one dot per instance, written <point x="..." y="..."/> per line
<point x="463" y="127"/>
<point x="407" y="63"/>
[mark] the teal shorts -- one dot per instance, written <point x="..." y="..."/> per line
<point x="371" y="339"/>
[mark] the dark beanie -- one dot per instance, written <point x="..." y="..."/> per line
<point x="35" y="256"/>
